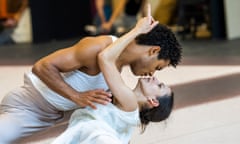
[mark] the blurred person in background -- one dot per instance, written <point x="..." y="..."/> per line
<point x="11" y="12"/>
<point x="165" y="11"/>
<point x="121" y="20"/>
<point x="101" y="12"/>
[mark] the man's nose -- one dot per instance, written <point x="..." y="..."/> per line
<point x="150" y="73"/>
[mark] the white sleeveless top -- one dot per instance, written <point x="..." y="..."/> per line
<point x="87" y="125"/>
<point x="76" y="79"/>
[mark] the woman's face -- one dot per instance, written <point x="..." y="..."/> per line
<point x="151" y="87"/>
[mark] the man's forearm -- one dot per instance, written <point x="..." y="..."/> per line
<point x="51" y="76"/>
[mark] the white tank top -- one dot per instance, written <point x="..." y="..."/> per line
<point x="76" y="79"/>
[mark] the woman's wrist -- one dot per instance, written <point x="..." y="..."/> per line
<point x="136" y="31"/>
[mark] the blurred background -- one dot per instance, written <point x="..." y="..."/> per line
<point x="206" y="83"/>
<point x="44" y="21"/>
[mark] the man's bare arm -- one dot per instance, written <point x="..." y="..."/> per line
<point x="49" y="69"/>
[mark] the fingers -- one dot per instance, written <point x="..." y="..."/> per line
<point x="154" y="24"/>
<point x="89" y="98"/>
<point x="149" y="16"/>
<point x="92" y="105"/>
<point x="99" y="96"/>
<point x="97" y="99"/>
<point x="103" y="99"/>
<point x="148" y="10"/>
<point x="103" y="92"/>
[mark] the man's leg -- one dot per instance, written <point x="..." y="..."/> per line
<point x="10" y="128"/>
<point x="24" y="111"/>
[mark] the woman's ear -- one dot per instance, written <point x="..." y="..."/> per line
<point x="153" y="102"/>
<point x="154" y="50"/>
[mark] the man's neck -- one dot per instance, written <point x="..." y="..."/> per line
<point x="126" y="58"/>
<point x="132" y="53"/>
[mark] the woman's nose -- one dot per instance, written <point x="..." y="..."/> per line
<point x="161" y="84"/>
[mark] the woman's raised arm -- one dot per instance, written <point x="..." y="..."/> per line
<point x="107" y="62"/>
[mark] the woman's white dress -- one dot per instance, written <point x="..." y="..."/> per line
<point x="105" y="125"/>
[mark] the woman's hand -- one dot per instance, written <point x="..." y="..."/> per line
<point x="146" y="24"/>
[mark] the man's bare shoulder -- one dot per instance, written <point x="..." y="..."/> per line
<point x="99" y="41"/>
<point x="92" y="44"/>
<point x="89" y="47"/>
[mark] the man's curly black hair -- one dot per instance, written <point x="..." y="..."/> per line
<point x="162" y="36"/>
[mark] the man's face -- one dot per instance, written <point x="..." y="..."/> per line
<point x="147" y="65"/>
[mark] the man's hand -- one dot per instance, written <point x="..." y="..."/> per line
<point x="88" y="98"/>
<point x="146" y="24"/>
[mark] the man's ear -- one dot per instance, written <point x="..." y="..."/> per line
<point x="153" y="102"/>
<point x="154" y="50"/>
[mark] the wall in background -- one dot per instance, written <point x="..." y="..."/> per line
<point x="61" y="19"/>
<point x="232" y="12"/>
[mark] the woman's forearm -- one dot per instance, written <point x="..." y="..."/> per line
<point x="113" y="51"/>
<point x="144" y="25"/>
